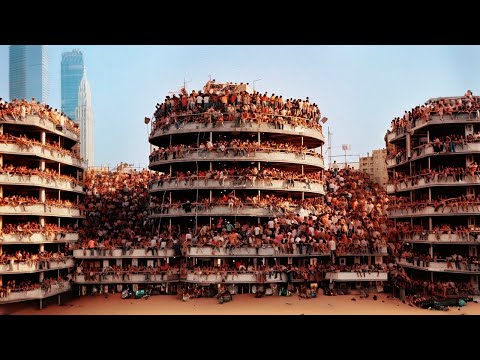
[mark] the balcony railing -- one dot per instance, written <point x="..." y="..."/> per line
<point x="279" y="155"/>
<point x="37" y="150"/>
<point x="44" y="124"/>
<point x="41" y="209"/>
<point x="35" y="294"/>
<point x="120" y="253"/>
<point x="420" y="182"/>
<point x="356" y="276"/>
<point x="23" y="267"/>
<point x="123" y="278"/>
<point x="231" y="278"/>
<point x="229" y="126"/>
<point x="185" y="184"/>
<point x="223" y="210"/>
<point x="35" y="180"/>
<point x="469" y="237"/>
<point x="429" y="210"/>
<point x="37" y="238"/>
<point x="441" y="266"/>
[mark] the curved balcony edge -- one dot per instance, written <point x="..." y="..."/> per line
<point x="122" y="254"/>
<point x="35" y="180"/>
<point x="440" y="267"/>
<point x="223" y="210"/>
<point x="37" y="150"/>
<point x="36" y="294"/>
<point x="40" y="266"/>
<point x="37" y="238"/>
<point x="41" y="210"/>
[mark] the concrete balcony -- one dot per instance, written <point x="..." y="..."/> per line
<point x="37" y="150"/>
<point x="354" y="276"/>
<point x="22" y="267"/>
<point x="35" y="180"/>
<point x="209" y="251"/>
<point x="229" y="126"/>
<point x="41" y="210"/>
<point x="34" y="120"/>
<point x="440" y="266"/>
<point x="37" y="238"/>
<point x="273" y="157"/>
<point x="467" y="239"/>
<point x="429" y="210"/>
<point x="222" y="210"/>
<point x="126" y="279"/>
<point x="117" y="253"/>
<point x="36" y="294"/>
<point x="230" y="278"/>
<point x="229" y="184"/>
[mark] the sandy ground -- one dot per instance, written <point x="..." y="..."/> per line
<point x="245" y="304"/>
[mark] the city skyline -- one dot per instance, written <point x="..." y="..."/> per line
<point x="360" y="89"/>
<point x="28" y="72"/>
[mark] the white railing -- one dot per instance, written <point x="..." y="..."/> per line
<point x="37" y="238"/>
<point x="354" y="276"/>
<point x="39" y="151"/>
<point x="222" y="210"/>
<point x="233" y="278"/>
<point x="124" y="278"/>
<point x="35" y="180"/>
<point x="40" y="210"/>
<point x="36" y="294"/>
<point x="23" y="267"/>
<point x="443" y="238"/>
<point x="421" y="182"/>
<point x="440" y="266"/>
<point x="271" y="156"/>
<point x="229" y="126"/>
<point x="44" y="124"/>
<point x="429" y="210"/>
<point x="118" y="253"/>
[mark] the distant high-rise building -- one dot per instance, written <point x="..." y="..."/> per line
<point x="28" y="74"/>
<point x="84" y="117"/>
<point x="72" y="72"/>
<point x="375" y="166"/>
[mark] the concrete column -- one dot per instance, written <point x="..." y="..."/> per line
<point x="430" y="250"/>
<point x="258" y="137"/>
<point x="41" y="195"/>
<point x="41" y="219"/>
<point x="42" y="164"/>
<point x="429" y="194"/>
<point x="43" y="137"/>
<point x="41" y="276"/>
<point x="1" y="159"/>
<point x="430" y="225"/>
<point x="1" y="129"/>
<point x="1" y="191"/>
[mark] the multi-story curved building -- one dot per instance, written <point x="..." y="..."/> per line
<point x="41" y="196"/>
<point x="225" y="167"/>
<point x="433" y="152"/>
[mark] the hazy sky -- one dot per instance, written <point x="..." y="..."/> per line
<point x="359" y="88"/>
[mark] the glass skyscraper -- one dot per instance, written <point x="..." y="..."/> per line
<point x="72" y="72"/>
<point x="28" y="73"/>
<point x="85" y="119"/>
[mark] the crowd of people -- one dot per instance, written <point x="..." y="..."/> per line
<point x="48" y="174"/>
<point x="234" y="147"/>
<point x="46" y="284"/>
<point x="466" y="104"/>
<point x="20" y="109"/>
<point x="26" y="143"/>
<point x="32" y="260"/>
<point x="227" y="102"/>
<point x="22" y="201"/>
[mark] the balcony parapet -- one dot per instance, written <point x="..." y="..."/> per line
<point x="40" y="266"/>
<point x="422" y="183"/>
<point x="314" y="187"/>
<point x="356" y="276"/>
<point x="469" y="237"/>
<point x="429" y="210"/>
<point x="123" y="278"/>
<point x="229" y="126"/>
<point x="37" y="150"/>
<point x="37" y="238"/>
<point x="440" y="266"/>
<point x="41" y="209"/>
<point x="35" y="294"/>
<point x="279" y="156"/>
<point x="222" y="210"/>
<point x="120" y="253"/>
<point x="235" y="278"/>
<point x="35" y="180"/>
<point x="46" y="125"/>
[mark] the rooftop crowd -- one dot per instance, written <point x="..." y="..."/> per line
<point x="217" y="103"/>
<point x="20" y="109"/>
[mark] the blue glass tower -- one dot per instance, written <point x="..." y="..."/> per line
<point x="28" y="73"/>
<point x="72" y="72"/>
